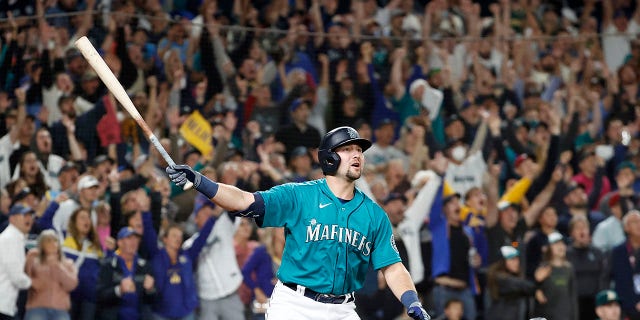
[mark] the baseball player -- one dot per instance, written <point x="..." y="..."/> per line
<point x="333" y="233"/>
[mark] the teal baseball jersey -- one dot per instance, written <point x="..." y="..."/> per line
<point x="330" y="244"/>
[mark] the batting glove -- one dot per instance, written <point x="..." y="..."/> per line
<point x="180" y="174"/>
<point x="417" y="312"/>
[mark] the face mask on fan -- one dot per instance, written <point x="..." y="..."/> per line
<point x="458" y="153"/>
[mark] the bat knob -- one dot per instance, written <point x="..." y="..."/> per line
<point x="187" y="186"/>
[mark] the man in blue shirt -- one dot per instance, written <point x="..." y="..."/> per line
<point x="333" y="233"/>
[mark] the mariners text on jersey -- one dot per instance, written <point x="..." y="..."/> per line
<point x="319" y="232"/>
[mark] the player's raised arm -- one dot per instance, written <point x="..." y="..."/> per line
<point x="226" y="196"/>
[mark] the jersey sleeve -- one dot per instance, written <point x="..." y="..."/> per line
<point x="385" y="251"/>
<point x="279" y="203"/>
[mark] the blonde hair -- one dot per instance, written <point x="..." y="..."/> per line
<point x="48" y="234"/>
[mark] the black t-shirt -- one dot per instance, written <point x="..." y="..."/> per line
<point x="498" y="237"/>
<point x="534" y="252"/>
<point x="459" y="254"/>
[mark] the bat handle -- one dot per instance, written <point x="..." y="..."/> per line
<point x="156" y="143"/>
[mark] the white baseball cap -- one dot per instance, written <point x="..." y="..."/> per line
<point x="87" y="182"/>
<point x="554" y="237"/>
<point x="509" y="252"/>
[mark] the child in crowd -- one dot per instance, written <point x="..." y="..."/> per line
<point x="556" y="297"/>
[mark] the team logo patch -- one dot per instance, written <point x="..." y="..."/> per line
<point x="353" y="134"/>
<point x="393" y="244"/>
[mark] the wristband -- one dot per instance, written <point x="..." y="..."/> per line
<point x="408" y="299"/>
<point x="206" y="186"/>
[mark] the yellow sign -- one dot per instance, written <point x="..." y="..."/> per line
<point x="197" y="131"/>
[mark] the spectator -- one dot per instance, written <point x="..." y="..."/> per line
<point x="126" y="288"/>
<point x="244" y="242"/>
<point x="103" y="226"/>
<point x="624" y="265"/>
<point x="509" y="290"/>
<point x="617" y="27"/>
<point x="472" y="215"/>
<point x="300" y="163"/>
<point x="412" y="144"/>
<point x="508" y="227"/>
<point x="173" y="271"/>
<point x="13" y="136"/>
<point x="383" y="150"/>
<point x="27" y="197"/>
<point x="259" y="271"/>
<point x="537" y="244"/>
<point x="453" y="310"/>
<point x="53" y="277"/>
<point x="609" y="233"/>
<point x="467" y="163"/>
<point x="557" y="296"/>
<point x="395" y="206"/>
<point x="625" y="178"/>
<point x="608" y="305"/>
<point x="591" y="266"/>
<point x="29" y="170"/>
<point x="48" y="162"/>
<point x="395" y="175"/>
<point x="452" y="267"/>
<point x="87" y="194"/>
<point x="82" y="246"/>
<point x="305" y="134"/>
<point x="413" y="225"/>
<point x="145" y="222"/>
<point x="592" y="176"/>
<point x="12" y="261"/>
<point x="68" y="178"/>
<point x="217" y="272"/>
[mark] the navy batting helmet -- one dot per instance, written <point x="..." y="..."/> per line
<point x="329" y="160"/>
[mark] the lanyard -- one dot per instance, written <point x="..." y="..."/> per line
<point x="632" y="257"/>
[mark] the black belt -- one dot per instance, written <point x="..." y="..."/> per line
<point x="321" y="297"/>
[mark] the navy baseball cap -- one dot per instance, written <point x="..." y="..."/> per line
<point x="126" y="232"/>
<point x="20" y="209"/>
<point x="206" y="203"/>
<point x="394" y="196"/>
<point x="299" y="151"/>
<point x="22" y="194"/>
<point x="68" y="167"/>
<point x="297" y="103"/>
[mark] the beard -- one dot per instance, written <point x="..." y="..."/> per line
<point x="353" y="175"/>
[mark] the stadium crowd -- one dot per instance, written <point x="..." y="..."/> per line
<point x="506" y="151"/>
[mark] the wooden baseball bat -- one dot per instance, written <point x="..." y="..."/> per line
<point x="89" y="52"/>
